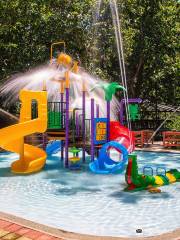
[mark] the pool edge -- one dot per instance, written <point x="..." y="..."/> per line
<point x="76" y="236"/>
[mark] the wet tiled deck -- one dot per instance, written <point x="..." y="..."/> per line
<point x="13" y="231"/>
<point x="158" y="147"/>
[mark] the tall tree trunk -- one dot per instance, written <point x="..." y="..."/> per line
<point x="135" y="77"/>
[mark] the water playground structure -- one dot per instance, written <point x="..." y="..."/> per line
<point x="69" y="130"/>
<point x="57" y="122"/>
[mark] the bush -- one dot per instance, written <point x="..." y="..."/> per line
<point x="175" y="123"/>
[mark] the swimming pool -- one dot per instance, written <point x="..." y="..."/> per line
<point x="92" y="204"/>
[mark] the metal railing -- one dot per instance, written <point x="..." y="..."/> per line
<point x="151" y="120"/>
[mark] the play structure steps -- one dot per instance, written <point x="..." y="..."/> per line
<point x="79" y="144"/>
<point x="56" y="135"/>
<point x="34" y="139"/>
<point x="60" y="135"/>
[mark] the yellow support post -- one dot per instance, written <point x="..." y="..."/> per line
<point x="62" y="87"/>
<point x="44" y="86"/>
<point x="75" y="67"/>
<point x="67" y="79"/>
<point x="83" y="86"/>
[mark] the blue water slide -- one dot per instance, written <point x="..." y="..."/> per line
<point x="104" y="164"/>
<point x="53" y="147"/>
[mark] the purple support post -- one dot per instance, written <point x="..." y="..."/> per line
<point x="92" y="130"/>
<point x="122" y="111"/>
<point x="130" y="100"/>
<point x="67" y="129"/>
<point x="77" y="124"/>
<point x="97" y="110"/>
<point x="62" y="107"/>
<point x="61" y="116"/>
<point x="84" y="124"/>
<point x="108" y="119"/>
<point x="62" y="150"/>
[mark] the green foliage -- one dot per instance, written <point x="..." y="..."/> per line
<point x="150" y="31"/>
<point x="155" y="52"/>
<point x="175" y="123"/>
<point x="27" y="29"/>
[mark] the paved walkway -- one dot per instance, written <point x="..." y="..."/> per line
<point x="158" y="147"/>
<point x="13" y="231"/>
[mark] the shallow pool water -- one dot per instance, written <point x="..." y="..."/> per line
<point x="92" y="204"/>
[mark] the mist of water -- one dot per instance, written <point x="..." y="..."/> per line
<point x="9" y="115"/>
<point x="34" y="79"/>
<point x="119" y="44"/>
<point x="52" y="76"/>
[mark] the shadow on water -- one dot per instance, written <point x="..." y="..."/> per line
<point x="54" y="164"/>
<point x="69" y="182"/>
<point x="135" y="197"/>
<point x="76" y="190"/>
<point x="6" y="172"/>
<point x="5" y="153"/>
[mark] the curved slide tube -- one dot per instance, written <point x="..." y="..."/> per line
<point x="122" y="135"/>
<point x="122" y="140"/>
<point x="104" y="164"/>
<point x="53" y="147"/>
<point x="32" y="159"/>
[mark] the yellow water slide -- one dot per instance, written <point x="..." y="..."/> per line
<point x="31" y="159"/>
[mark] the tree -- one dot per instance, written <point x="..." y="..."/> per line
<point x="150" y="39"/>
<point x="152" y="65"/>
<point x="150" y="34"/>
<point x="28" y="28"/>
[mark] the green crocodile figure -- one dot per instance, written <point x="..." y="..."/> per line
<point x="137" y="182"/>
